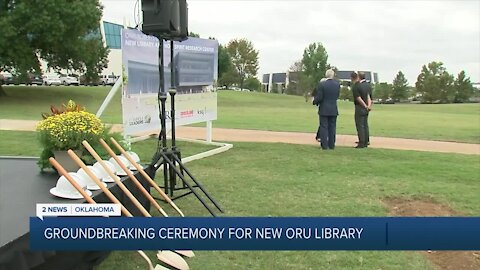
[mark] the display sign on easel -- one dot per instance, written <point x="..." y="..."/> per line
<point x="196" y="70"/>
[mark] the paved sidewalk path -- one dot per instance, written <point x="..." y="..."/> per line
<point x="242" y="135"/>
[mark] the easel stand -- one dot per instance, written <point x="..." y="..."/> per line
<point x="171" y="158"/>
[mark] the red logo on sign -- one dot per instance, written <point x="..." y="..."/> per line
<point x="186" y="114"/>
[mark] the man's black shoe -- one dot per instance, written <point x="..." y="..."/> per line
<point x="360" y="146"/>
<point x="368" y="143"/>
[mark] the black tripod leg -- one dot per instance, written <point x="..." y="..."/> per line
<point x="179" y="156"/>
<point x="189" y="186"/>
<point x="173" y="178"/>
<point x="172" y="92"/>
<point x="198" y="184"/>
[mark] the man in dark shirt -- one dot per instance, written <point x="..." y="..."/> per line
<point x="328" y="92"/>
<point x="361" y="91"/>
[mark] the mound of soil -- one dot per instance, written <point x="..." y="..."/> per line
<point x="444" y="260"/>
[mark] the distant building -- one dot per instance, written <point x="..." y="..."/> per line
<point x="344" y="76"/>
<point x="476" y="85"/>
<point x="112" y="39"/>
<point x="274" y="82"/>
<point x="278" y="82"/>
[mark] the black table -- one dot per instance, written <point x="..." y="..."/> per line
<point x="22" y="186"/>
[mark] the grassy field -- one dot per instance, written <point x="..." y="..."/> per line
<point x="321" y="184"/>
<point x="293" y="180"/>
<point x="24" y="143"/>
<point x="28" y="102"/>
<point x="449" y="122"/>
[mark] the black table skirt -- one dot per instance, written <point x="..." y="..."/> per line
<point x="22" y="185"/>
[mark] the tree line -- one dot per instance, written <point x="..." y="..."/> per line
<point x="434" y="85"/>
<point x="67" y="37"/>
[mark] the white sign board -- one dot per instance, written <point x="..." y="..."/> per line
<point x="195" y="63"/>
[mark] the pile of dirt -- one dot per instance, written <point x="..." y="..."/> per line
<point x="445" y="260"/>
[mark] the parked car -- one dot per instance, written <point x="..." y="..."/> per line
<point x="108" y="79"/>
<point x="34" y="79"/>
<point x="69" y="80"/>
<point x="83" y="81"/>
<point x="6" y="78"/>
<point x="386" y="101"/>
<point x="51" y="79"/>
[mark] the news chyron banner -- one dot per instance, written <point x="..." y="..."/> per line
<point x="252" y="233"/>
<point x="196" y="70"/>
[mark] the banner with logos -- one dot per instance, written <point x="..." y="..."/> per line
<point x="195" y="67"/>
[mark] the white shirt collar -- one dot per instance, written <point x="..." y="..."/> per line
<point x="364" y="80"/>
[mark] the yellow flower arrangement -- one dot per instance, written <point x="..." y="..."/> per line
<point x="66" y="129"/>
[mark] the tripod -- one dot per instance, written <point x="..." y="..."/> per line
<point x="170" y="158"/>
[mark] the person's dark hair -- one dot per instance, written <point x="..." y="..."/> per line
<point x="353" y="75"/>
<point x="361" y="75"/>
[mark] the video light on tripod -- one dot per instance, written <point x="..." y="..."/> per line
<point x="167" y="19"/>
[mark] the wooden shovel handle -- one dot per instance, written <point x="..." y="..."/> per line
<point x="70" y="179"/>
<point x="144" y="174"/>
<point x="74" y="183"/>
<point x="133" y="178"/>
<point x="117" y="181"/>
<point x="98" y="182"/>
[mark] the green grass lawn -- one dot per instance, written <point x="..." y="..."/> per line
<point x="244" y="110"/>
<point x="296" y="180"/>
<point x="28" y="102"/>
<point x="25" y="143"/>
<point x="450" y="122"/>
<point x="290" y="180"/>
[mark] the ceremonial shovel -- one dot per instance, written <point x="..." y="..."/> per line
<point x="63" y="172"/>
<point x="144" y="174"/>
<point x="170" y="258"/>
<point x="186" y="253"/>
<point x="133" y="178"/>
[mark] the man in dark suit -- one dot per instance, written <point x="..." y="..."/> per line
<point x="314" y="93"/>
<point x="328" y="92"/>
<point x="361" y="90"/>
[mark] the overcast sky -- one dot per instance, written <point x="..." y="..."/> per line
<point x="383" y="36"/>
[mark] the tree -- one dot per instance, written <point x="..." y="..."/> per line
<point x="295" y="76"/>
<point x="58" y="34"/>
<point x="244" y="58"/>
<point x="224" y="61"/>
<point x="345" y="93"/>
<point x="314" y="63"/>
<point x="400" y="87"/>
<point x="96" y="60"/>
<point x="463" y="88"/>
<point x="229" y="78"/>
<point x="383" y="91"/>
<point x="193" y="34"/>
<point x="253" y="84"/>
<point x="435" y="84"/>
